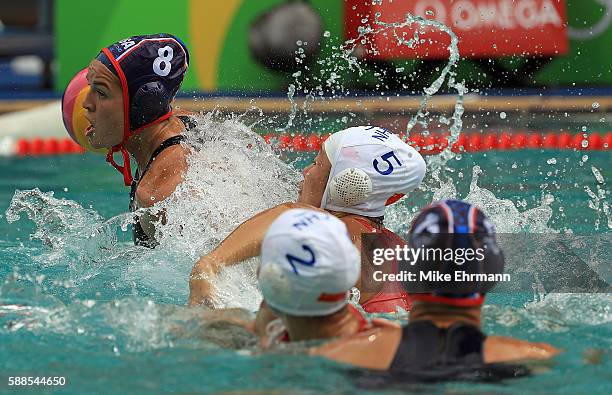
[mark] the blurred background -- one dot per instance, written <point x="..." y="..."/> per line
<point x="249" y="46"/>
<point x="539" y="55"/>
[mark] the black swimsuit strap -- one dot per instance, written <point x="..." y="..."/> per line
<point x="174" y="140"/>
<point x="138" y="234"/>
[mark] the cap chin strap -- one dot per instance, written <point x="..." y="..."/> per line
<point x="126" y="169"/>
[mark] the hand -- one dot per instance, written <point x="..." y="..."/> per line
<point x="200" y="286"/>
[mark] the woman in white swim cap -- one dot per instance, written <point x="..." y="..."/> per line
<point x="356" y="174"/>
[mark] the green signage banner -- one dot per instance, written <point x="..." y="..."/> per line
<point x="217" y="34"/>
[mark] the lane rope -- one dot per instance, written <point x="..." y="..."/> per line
<point x="430" y="144"/>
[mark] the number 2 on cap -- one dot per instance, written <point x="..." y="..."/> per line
<point x="385" y="158"/>
<point x="293" y="259"/>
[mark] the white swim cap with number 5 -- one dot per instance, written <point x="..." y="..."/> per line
<point x="370" y="168"/>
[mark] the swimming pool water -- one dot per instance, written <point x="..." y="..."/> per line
<point x="99" y="315"/>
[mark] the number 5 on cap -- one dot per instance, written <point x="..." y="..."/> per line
<point x="385" y="158"/>
<point x="293" y="259"/>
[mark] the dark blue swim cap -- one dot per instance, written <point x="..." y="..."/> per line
<point x="151" y="69"/>
<point x="455" y="225"/>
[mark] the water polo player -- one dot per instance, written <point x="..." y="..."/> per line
<point x="128" y="109"/>
<point x="356" y="174"/>
<point x="443" y="340"/>
<point x="308" y="265"/>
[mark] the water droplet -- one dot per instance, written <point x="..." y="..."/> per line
<point x="65" y="189"/>
<point x="326" y="33"/>
<point x="595" y="105"/>
<point x="514" y="165"/>
<point x="552" y="161"/>
<point x="597" y="175"/>
<point x="429" y="12"/>
<point x="502" y="115"/>
<point x="585" y="143"/>
<point x="585" y="158"/>
<point x="89" y="303"/>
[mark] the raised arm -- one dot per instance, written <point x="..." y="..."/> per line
<point x="243" y="243"/>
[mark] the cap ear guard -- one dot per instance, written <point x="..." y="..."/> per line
<point x="151" y="101"/>
<point x="350" y="187"/>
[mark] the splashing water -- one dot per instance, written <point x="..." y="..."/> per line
<point x="328" y="84"/>
<point x="503" y="213"/>
<point x="556" y="312"/>
<point x="598" y="201"/>
<point x="232" y="175"/>
<point x="103" y="293"/>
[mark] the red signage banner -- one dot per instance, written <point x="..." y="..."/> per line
<point x="485" y="28"/>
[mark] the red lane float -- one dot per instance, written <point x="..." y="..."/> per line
<point x="490" y="141"/>
<point x="550" y="140"/>
<point x="535" y="140"/>
<point x="564" y="141"/>
<point x="505" y="141"/>
<point x="607" y="144"/>
<point x="432" y="144"/>
<point x="474" y="142"/>
<point x="46" y="147"/>
<point x="595" y="142"/>
<point x="518" y="140"/>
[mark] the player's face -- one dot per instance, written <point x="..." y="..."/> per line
<point x="104" y="105"/>
<point x="315" y="180"/>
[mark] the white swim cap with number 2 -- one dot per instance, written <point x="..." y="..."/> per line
<point x="308" y="263"/>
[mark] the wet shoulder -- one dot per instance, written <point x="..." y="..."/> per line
<point x="163" y="175"/>
<point x="371" y="349"/>
<point x="507" y="349"/>
<point x="357" y="226"/>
